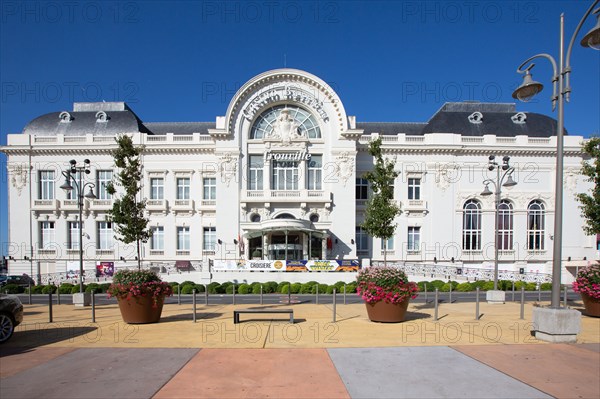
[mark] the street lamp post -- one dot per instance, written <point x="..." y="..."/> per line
<point x="561" y="92"/>
<point x="70" y="176"/>
<point x="503" y="179"/>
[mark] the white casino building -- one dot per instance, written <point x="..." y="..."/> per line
<point x="275" y="185"/>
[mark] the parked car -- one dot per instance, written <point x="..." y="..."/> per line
<point x="11" y="315"/>
<point x="22" y="280"/>
<point x="3" y="278"/>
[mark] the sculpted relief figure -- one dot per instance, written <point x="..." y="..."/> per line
<point x="285" y="127"/>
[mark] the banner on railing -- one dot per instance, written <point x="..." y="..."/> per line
<point x="105" y="269"/>
<point x="351" y="265"/>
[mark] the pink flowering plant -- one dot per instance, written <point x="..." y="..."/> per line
<point x="387" y="284"/>
<point x="128" y="284"/>
<point x="588" y="281"/>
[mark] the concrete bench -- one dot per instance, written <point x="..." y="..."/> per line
<point x="236" y="313"/>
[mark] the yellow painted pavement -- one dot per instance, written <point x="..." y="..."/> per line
<point x="314" y="327"/>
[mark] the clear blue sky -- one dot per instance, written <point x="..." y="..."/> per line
<point x="183" y="60"/>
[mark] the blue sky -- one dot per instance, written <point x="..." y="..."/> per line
<point x="184" y="60"/>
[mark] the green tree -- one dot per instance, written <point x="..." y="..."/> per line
<point x="590" y="203"/>
<point x="128" y="212"/>
<point x="381" y="209"/>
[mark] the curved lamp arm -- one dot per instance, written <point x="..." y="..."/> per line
<point x="554" y="73"/>
<point x="570" y="48"/>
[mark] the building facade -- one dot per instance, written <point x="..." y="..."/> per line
<point x="276" y="184"/>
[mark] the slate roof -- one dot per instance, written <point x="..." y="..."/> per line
<point x="179" y="127"/>
<point x="83" y="123"/>
<point x="391" y="128"/>
<point x="454" y="118"/>
<point x="450" y="118"/>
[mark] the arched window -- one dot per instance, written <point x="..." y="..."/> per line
<point x="305" y="123"/>
<point x="536" y="223"/>
<point x="472" y="226"/>
<point x="285" y="216"/>
<point x="505" y="226"/>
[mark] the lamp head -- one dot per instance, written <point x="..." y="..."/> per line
<point x="90" y="195"/>
<point x="66" y="186"/>
<point x="529" y="88"/>
<point x="486" y="191"/>
<point x="509" y="182"/>
<point x="592" y="38"/>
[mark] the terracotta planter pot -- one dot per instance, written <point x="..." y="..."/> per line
<point x="387" y="312"/>
<point x="592" y="305"/>
<point x="140" y="310"/>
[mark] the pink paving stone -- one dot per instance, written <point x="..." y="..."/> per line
<point x="257" y="373"/>
<point x="14" y="360"/>
<point x="560" y="370"/>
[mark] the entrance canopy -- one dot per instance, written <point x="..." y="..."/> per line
<point x="282" y="225"/>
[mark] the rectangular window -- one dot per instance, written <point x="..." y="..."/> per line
<point x="414" y="239"/>
<point x="158" y="238"/>
<point x="47" y="238"/>
<point x="74" y="238"/>
<point x="73" y="194"/>
<point x="157" y="188"/>
<point x="105" y="236"/>
<point x="183" y="188"/>
<point x="535" y="226"/>
<point x="315" y="172"/>
<point x="362" y="189"/>
<point x="255" y="172"/>
<point x="362" y="240"/>
<point x="285" y="175"/>
<point x="210" y="188"/>
<point x="46" y="187"/>
<point x="387" y="245"/>
<point x="414" y="189"/>
<point x="209" y="238"/>
<point x="505" y="226"/>
<point x="183" y="238"/>
<point x="103" y="177"/>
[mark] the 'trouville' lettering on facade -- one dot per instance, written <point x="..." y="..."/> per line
<point x="287" y="156"/>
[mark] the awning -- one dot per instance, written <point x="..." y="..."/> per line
<point x="282" y="225"/>
<point x="578" y="263"/>
<point x="184" y="265"/>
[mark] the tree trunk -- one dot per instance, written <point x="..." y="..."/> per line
<point x="385" y="253"/>
<point x="139" y="258"/>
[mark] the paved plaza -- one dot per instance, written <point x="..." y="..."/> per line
<point x="266" y="356"/>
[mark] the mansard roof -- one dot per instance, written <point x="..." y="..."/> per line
<point x="500" y="119"/>
<point x="465" y="118"/>
<point x="179" y="127"/>
<point x="99" y="119"/>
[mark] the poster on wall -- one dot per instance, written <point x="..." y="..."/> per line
<point x="105" y="269"/>
<point x="349" y="265"/>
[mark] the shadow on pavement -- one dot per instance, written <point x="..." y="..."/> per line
<point x="39" y="335"/>
<point x="416" y="316"/>
<point x="189" y="316"/>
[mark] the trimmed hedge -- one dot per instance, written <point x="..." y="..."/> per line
<point x="11" y="289"/>
<point x="244" y="289"/>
